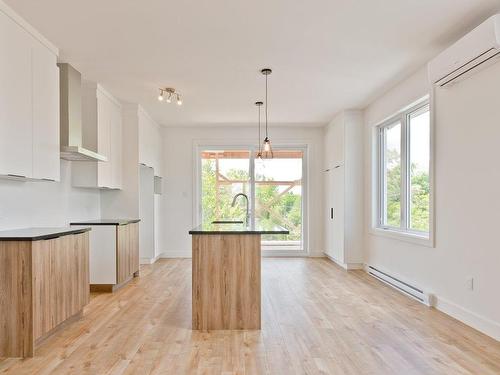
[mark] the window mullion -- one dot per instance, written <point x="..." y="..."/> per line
<point x="404" y="171"/>
<point x="252" y="185"/>
<point x="382" y="179"/>
<point x="408" y="173"/>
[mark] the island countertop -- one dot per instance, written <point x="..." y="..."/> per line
<point x="106" y="222"/>
<point x="36" y="234"/>
<point x="236" y="228"/>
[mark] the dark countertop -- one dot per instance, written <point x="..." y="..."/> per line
<point x="35" y="234"/>
<point x="210" y="228"/>
<point x="106" y="222"/>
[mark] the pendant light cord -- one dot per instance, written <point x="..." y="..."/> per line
<point x="266" y="105"/>
<point x="260" y="146"/>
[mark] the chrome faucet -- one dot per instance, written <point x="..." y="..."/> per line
<point x="247" y="218"/>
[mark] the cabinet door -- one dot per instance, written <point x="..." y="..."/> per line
<point x="116" y="147"/>
<point x="337" y="144"/>
<point x="16" y="145"/>
<point x="134" y="246"/>
<point x="46" y="163"/>
<point x="328" y="213"/>
<point x="337" y="196"/>
<point x="60" y="280"/>
<point x="81" y="292"/>
<point x="104" y="141"/>
<point x="127" y="251"/>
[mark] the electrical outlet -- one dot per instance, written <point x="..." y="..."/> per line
<point x="470" y="283"/>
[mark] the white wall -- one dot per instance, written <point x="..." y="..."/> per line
<point x="30" y="204"/>
<point x="467" y="180"/>
<point x="179" y="183"/>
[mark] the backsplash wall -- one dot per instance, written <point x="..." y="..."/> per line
<point x="30" y="204"/>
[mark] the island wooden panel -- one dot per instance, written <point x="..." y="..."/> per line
<point x="127" y="240"/>
<point x="16" y="319"/>
<point x="226" y="282"/>
<point x="43" y="283"/>
<point x="61" y="280"/>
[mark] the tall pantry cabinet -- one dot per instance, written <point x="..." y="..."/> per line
<point x="343" y="189"/>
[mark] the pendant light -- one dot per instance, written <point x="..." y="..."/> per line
<point x="266" y="145"/>
<point x="259" y="154"/>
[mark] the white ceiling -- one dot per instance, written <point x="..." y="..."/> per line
<point x="327" y="55"/>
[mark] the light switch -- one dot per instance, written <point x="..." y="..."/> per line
<point x="470" y="283"/>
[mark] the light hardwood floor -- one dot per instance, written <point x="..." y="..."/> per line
<point x="316" y="319"/>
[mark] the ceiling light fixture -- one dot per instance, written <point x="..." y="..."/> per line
<point x="266" y="146"/>
<point x="259" y="154"/>
<point x="169" y="92"/>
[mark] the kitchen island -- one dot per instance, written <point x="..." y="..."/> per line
<point x="226" y="275"/>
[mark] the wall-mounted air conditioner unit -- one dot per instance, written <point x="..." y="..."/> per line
<point x="478" y="49"/>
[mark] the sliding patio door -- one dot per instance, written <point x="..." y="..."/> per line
<point x="275" y="188"/>
<point x="278" y="198"/>
<point x="224" y="173"/>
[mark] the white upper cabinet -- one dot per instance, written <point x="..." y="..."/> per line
<point x="16" y="138"/>
<point x="334" y="145"/>
<point x="104" y="170"/>
<point x="29" y="102"/>
<point x="102" y="131"/>
<point x="116" y="120"/>
<point x="46" y="124"/>
<point x="150" y="138"/>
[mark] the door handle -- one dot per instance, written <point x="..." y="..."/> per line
<point x="331" y="213"/>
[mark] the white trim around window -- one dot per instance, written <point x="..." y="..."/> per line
<point x="400" y="228"/>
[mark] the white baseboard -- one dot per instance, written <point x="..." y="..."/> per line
<point x="346" y="266"/>
<point x="283" y="254"/>
<point x="176" y="254"/>
<point x="316" y="256"/>
<point x="267" y="253"/>
<point x="150" y="260"/>
<point x="476" y="321"/>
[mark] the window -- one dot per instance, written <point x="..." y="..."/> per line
<point x="273" y="186"/>
<point x="403" y="145"/>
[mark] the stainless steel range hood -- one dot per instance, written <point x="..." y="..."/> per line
<point x="72" y="146"/>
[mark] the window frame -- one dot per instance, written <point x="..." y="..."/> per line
<point x="403" y="232"/>
<point x="202" y="144"/>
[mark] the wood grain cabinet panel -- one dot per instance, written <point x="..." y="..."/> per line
<point x="43" y="283"/>
<point x="226" y="282"/>
<point x="16" y="335"/>
<point x="127" y="251"/>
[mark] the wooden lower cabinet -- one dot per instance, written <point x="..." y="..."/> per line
<point x="127" y="251"/>
<point x="114" y="254"/>
<point x="42" y="284"/>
